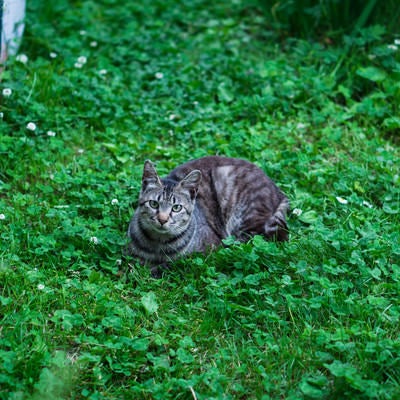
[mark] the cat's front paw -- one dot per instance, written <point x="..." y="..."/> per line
<point x="157" y="271"/>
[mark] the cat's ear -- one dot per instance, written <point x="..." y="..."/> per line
<point x="191" y="182"/>
<point x="150" y="176"/>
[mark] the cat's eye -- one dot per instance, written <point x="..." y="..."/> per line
<point x="176" y="208"/>
<point x="153" y="204"/>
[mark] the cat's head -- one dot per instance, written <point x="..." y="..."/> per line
<point x="166" y="206"/>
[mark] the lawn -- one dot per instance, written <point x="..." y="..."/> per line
<point x="98" y="87"/>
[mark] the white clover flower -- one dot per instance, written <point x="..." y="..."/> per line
<point x="82" y="32"/>
<point x="2" y="217"/>
<point x="118" y="262"/>
<point x="1" y="115"/>
<point x="392" y="47"/>
<point x="172" y="117"/>
<point x="78" y="65"/>
<point x="297" y="212"/>
<point x="7" y="92"/>
<point x="300" y="125"/>
<point x="82" y="60"/>
<point x="31" y="126"/>
<point x="93" y="43"/>
<point x="103" y="72"/>
<point x="80" y="151"/>
<point x="367" y="204"/>
<point x="397" y="42"/>
<point x="341" y="200"/>
<point x="53" y="54"/>
<point x="94" y="240"/>
<point x="22" y="58"/>
<point x="159" y="75"/>
<point x="51" y="133"/>
<point x="40" y="286"/>
<point x="114" y="202"/>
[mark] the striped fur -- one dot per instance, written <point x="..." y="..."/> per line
<point x="202" y="202"/>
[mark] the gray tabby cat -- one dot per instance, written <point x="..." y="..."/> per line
<point x="200" y="203"/>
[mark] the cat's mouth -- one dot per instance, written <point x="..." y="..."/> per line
<point x="161" y="228"/>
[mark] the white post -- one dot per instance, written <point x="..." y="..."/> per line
<point x="12" y="14"/>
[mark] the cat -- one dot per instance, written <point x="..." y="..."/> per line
<point x="199" y="204"/>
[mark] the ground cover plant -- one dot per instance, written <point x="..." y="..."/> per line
<point x="97" y="88"/>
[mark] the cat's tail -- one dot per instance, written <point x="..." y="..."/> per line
<point x="276" y="226"/>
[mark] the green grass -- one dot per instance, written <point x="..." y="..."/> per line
<point x="329" y="19"/>
<point x="314" y="318"/>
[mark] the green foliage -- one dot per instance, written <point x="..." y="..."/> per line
<point x="311" y="18"/>
<point x="109" y="84"/>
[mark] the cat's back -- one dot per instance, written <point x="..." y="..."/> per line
<point x="226" y="175"/>
<point x="215" y="165"/>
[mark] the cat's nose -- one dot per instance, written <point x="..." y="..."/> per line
<point x="162" y="218"/>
